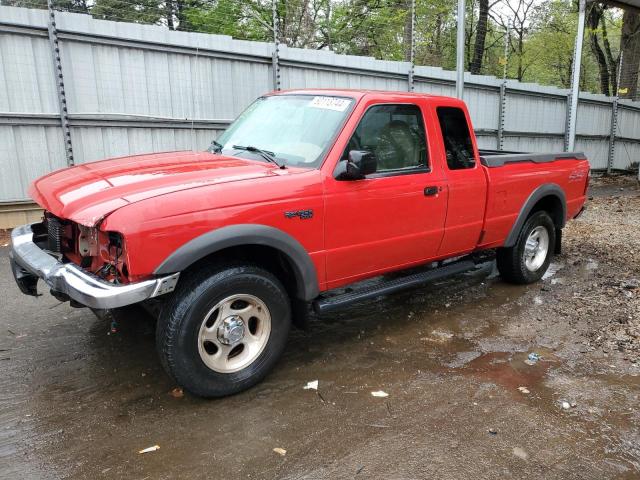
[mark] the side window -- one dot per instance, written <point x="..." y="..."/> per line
<point x="457" y="139"/>
<point x="395" y="134"/>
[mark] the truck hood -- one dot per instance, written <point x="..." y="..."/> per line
<point x="87" y="193"/>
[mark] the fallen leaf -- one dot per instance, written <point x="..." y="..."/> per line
<point x="311" y="385"/>
<point x="379" y="393"/>
<point x="280" y="451"/>
<point x="177" y="392"/>
<point x="150" y="449"/>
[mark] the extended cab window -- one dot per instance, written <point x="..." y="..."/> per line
<point x="457" y="139"/>
<point x="395" y="135"/>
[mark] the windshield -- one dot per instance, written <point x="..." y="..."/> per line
<point x="295" y="129"/>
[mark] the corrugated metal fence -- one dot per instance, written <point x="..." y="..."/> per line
<point x="136" y="88"/>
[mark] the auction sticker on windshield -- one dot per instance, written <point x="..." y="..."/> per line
<point x="330" y="103"/>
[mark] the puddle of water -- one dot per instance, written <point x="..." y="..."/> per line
<point x="510" y="370"/>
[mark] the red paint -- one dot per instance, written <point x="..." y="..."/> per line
<point x="359" y="229"/>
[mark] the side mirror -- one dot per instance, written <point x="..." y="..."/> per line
<point x="360" y="164"/>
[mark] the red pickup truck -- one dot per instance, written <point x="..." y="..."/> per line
<point x="307" y="191"/>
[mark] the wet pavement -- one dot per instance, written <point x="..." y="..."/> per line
<point x="78" y="401"/>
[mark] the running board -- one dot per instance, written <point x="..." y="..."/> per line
<point x="328" y="304"/>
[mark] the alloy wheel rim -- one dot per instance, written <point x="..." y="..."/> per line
<point x="234" y="333"/>
<point x="536" y="248"/>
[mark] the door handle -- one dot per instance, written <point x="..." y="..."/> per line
<point x="430" y="191"/>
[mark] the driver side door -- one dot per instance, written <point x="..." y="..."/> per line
<point x="393" y="218"/>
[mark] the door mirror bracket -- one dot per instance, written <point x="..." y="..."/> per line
<point x="359" y="164"/>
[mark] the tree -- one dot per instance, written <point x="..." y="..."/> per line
<point x="408" y="31"/>
<point x="520" y="20"/>
<point x="630" y="48"/>
<point x="481" y="35"/>
<point x="593" y="19"/>
<point x="79" y="6"/>
<point x="137" y="11"/>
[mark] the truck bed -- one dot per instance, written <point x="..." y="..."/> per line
<point x="498" y="158"/>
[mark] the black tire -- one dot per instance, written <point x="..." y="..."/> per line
<point x="182" y="317"/>
<point x="512" y="261"/>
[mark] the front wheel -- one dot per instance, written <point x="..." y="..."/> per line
<point x="528" y="260"/>
<point x="224" y="329"/>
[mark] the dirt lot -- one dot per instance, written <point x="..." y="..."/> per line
<point x="78" y="402"/>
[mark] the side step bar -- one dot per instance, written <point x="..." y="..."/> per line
<point x="323" y="305"/>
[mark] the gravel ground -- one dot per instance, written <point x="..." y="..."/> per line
<point x="605" y="244"/>
<point x="485" y="380"/>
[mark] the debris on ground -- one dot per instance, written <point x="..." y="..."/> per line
<point x="532" y="359"/>
<point x="493" y="431"/>
<point x="280" y="451"/>
<point x="524" y="390"/>
<point x="177" y="392"/>
<point x="566" y="405"/>
<point x="150" y="449"/>
<point x="313" y="385"/>
<point x="607" y="301"/>
<point x="520" y="453"/>
<point x="438" y="336"/>
<point x="379" y="393"/>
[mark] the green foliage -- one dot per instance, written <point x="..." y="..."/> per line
<point x="139" y="11"/>
<point x="541" y="39"/>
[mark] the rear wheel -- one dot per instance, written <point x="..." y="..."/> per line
<point x="224" y="329"/>
<point x="528" y="260"/>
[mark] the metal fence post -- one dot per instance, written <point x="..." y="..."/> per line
<point x="413" y="46"/>
<point x="503" y="92"/>
<point x="614" y="120"/>
<point x="612" y="135"/>
<point x="575" y="79"/>
<point x="276" y="47"/>
<point x="501" y="114"/>
<point x="59" y="79"/>
<point x="567" y="120"/>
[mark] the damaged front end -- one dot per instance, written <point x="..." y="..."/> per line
<point x="80" y="264"/>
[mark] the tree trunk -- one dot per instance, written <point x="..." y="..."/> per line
<point x="168" y="6"/>
<point x="520" y="75"/>
<point x="593" y="20"/>
<point x="630" y="48"/>
<point x="408" y="32"/>
<point x="481" y="35"/>
<point x="613" y="63"/>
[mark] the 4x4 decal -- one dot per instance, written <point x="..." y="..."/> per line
<point x="302" y="214"/>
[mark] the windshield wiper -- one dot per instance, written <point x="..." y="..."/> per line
<point x="215" y="147"/>
<point x="267" y="155"/>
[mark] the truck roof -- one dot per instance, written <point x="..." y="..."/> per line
<point x="360" y="93"/>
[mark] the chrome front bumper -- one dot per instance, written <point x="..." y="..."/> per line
<point x="29" y="262"/>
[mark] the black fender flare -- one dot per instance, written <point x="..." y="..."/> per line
<point x="307" y="287"/>
<point x="545" y="190"/>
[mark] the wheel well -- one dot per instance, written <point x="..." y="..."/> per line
<point x="553" y="206"/>
<point x="269" y="258"/>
